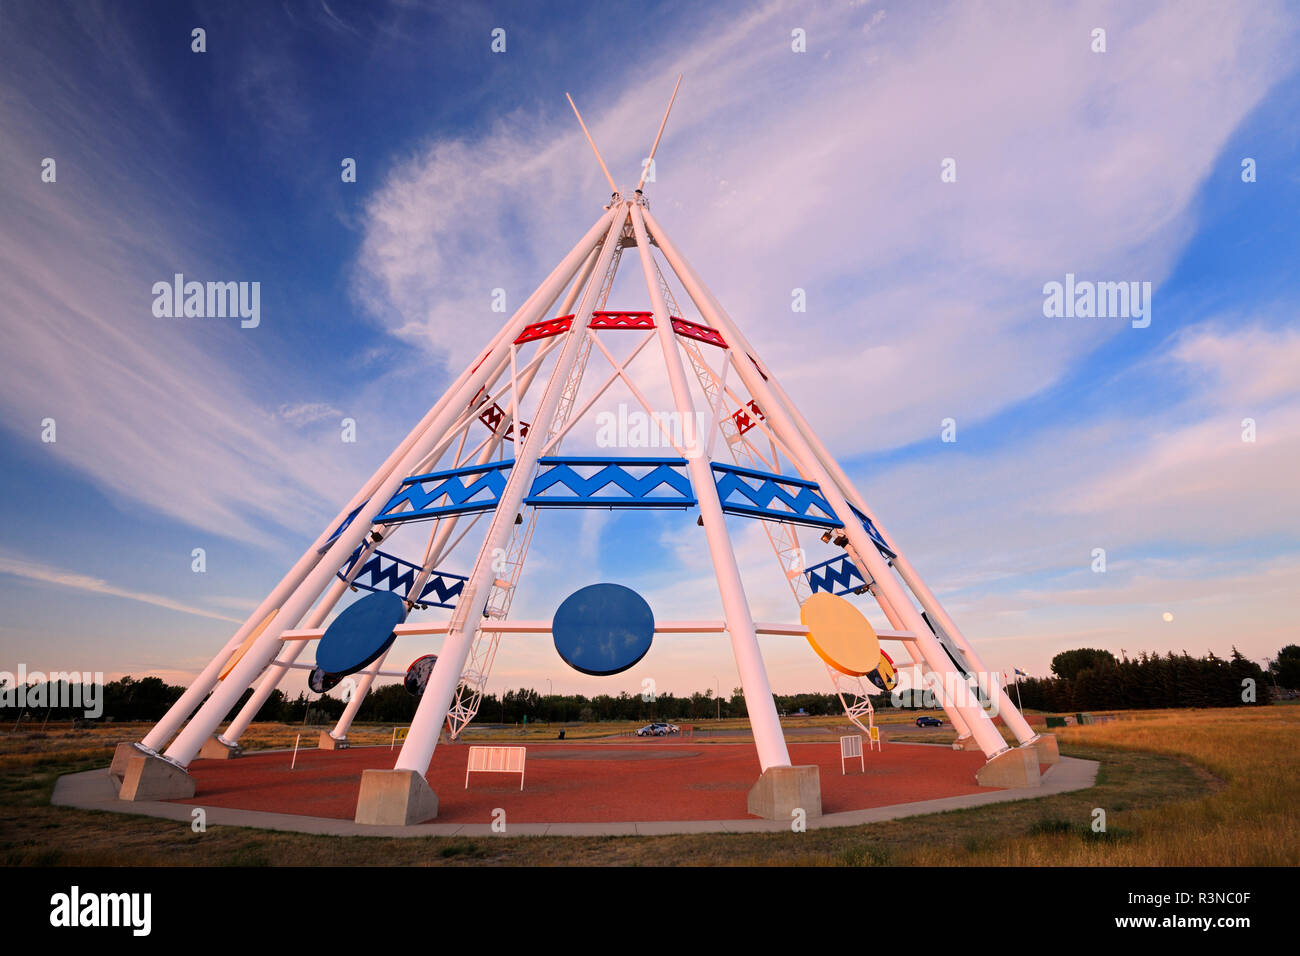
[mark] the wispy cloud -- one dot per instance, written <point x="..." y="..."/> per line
<point x="30" y="570"/>
<point x="779" y="173"/>
<point x="161" y="412"/>
<point x="307" y="413"/>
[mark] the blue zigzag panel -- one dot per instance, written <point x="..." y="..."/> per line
<point x="384" y="572"/>
<point x="740" y="496"/>
<point x="588" y="482"/>
<point x="875" y="535"/>
<point x="458" y="491"/>
<point x="803" y="499"/>
<point x="840" y="576"/>
<point x="559" y="483"/>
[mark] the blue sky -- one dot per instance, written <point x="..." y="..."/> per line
<point x="816" y="170"/>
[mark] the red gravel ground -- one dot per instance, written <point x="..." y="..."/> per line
<point x="586" y="782"/>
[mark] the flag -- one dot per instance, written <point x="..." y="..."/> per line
<point x="1019" y="672"/>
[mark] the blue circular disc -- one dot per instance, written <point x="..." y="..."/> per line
<point x="360" y="634"/>
<point x="603" y="629"/>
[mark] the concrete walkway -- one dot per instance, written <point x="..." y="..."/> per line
<point x="92" y="790"/>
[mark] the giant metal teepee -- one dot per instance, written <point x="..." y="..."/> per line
<point x="454" y="469"/>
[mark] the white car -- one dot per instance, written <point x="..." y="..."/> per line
<point x="658" y="729"/>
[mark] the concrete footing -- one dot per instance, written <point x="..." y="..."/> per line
<point x="395" y="798"/>
<point x="1017" y="767"/>
<point x="965" y="743"/>
<point x="217" y="749"/>
<point x="328" y="742"/>
<point x="1048" y="753"/>
<point x="782" y="790"/>
<point x="149" y="777"/>
<point x="122" y="755"/>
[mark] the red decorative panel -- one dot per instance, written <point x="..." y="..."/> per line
<point x="622" y="320"/>
<point x="743" y="420"/>
<point x="701" y="333"/>
<point x="492" y="415"/>
<point x="545" y="329"/>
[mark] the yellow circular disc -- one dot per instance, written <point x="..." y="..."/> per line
<point x="840" y="635"/>
<point x="253" y="635"/>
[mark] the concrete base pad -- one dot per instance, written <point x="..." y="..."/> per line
<point x="121" y="757"/>
<point x="782" y="790"/>
<point x="965" y="743"/>
<point x="152" y="778"/>
<point x="1013" y="768"/>
<point x="217" y="749"/>
<point x="327" y="742"/>
<point x="395" y="798"/>
<point x="1048" y="753"/>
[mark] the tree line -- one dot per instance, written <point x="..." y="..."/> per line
<point x="1083" y="679"/>
<point x="1091" y="679"/>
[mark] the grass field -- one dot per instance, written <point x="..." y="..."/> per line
<point x="1197" y="788"/>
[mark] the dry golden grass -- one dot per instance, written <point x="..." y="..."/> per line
<point x="1253" y="820"/>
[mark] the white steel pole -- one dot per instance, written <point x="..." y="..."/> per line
<point x="422" y="738"/>
<point x="993" y="691"/>
<point x="276" y="672"/>
<point x="945" y="700"/>
<point x="768" y="738"/>
<point x="659" y="135"/>
<point x="436" y="555"/>
<point x="592" y="143"/>
<point x="443" y="535"/>
<point x="340" y="731"/>
<point x="207" y="679"/>
<point x="986" y="735"/>
<point x="291" y="653"/>
<point x="1015" y="720"/>
<point x="896" y="622"/>
<point x="187" y="744"/>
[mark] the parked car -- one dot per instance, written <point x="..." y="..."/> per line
<point x="658" y="729"/>
<point x="929" y="722"/>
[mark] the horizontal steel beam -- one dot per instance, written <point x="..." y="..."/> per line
<point x="544" y="627"/>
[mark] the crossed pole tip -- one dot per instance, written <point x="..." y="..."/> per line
<point x="645" y="170"/>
